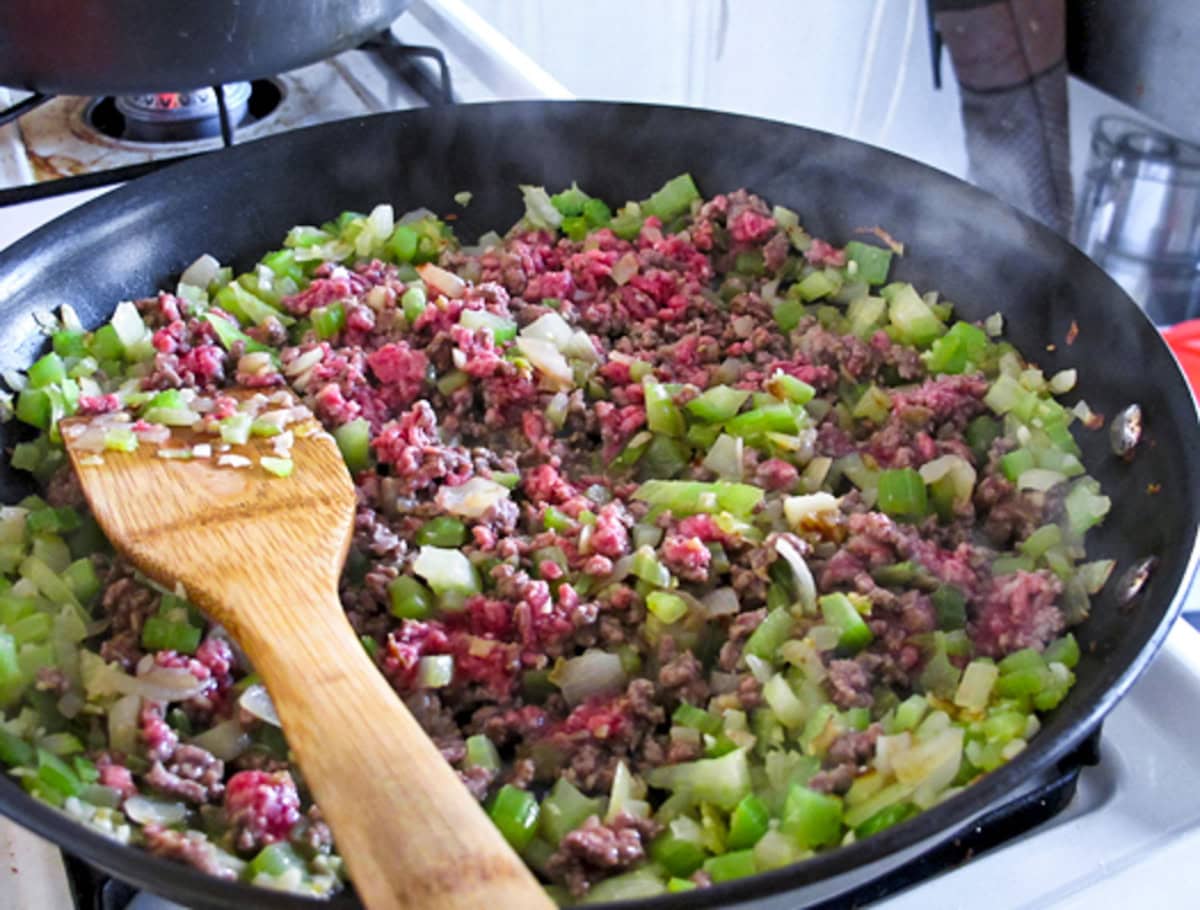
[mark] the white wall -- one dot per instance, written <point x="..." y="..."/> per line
<point x="859" y="68"/>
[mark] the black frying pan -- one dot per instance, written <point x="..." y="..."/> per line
<point x="975" y="249"/>
<point x="124" y="47"/>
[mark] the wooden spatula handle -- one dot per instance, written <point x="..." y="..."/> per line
<point x="356" y="743"/>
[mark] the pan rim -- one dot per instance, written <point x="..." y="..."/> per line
<point x="941" y="822"/>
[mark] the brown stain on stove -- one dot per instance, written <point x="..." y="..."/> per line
<point x="52" y="167"/>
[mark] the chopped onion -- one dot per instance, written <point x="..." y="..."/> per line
<point x="440" y="280"/>
<point x="994" y="325"/>
<point x="932" y="765"/>
<point x="806" y="586"/>
<point x="123" y="724"/>
<point x="155" y="434"/>
<point x="227" y="740"/>
<point x="69" y="318"/>
<point x="70" y="705"/>
<point x="304" y="362"/>
<point x="581" y="348"/>
<point x="625" y="268"/>
<point x="888" y="747"/>
<point x="127" y="322"/>
<point x="435" y="671"/>
<point x="721" y="602"/>
<point x="201" y="272"/>
<point x="549" y="327"/>
<point x="1063" y="381"/>
<point x="797" y="509"/>
<point x="377" y="229"/>
<point x="415" y="215"/>
<point x="593" y="672"/>
<point x="976" y="685"/>
<point x="958" y="469"/>
<point x="1040" y="479"/>
<point x="256" y="700"/>
<point x="539" y="210"/>
<point x="725" y="457"/>
<point x="90" y="438"/>
<point x="759" y="669"/>
<point x="146" y="811"/>
<point x="473" y="499"/>
<point x="156" y="683"/>
<point x="549" y="361"/>
<point x="825" y="638"/>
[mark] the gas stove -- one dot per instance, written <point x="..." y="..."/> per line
<point x="1115" y="823"/>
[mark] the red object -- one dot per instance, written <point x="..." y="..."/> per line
<point x="1184" y="341"/>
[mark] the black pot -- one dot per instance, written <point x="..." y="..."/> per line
<point x="1060" y="309"/>
<point x="125" y="47"/>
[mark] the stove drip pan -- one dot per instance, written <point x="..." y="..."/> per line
<point x="171" y="117"/>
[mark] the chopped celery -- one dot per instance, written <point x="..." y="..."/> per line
<point x="274" y="860"/>
<point x="502" y="329"/>
<point x="728" y="866"/>
<point x="747" y="823"/>
<point x="442" y="531"/>
<point x="329" y="321"/>
<point x="448" y="572"/>
<point x="667" y="608"/>
<point x="915" y="323"/>
<point x="662" y="414"/>
<point x="677" y="854"/>
<point x="515" y="813"/>
<point x="159" y="634"/>
<point x="872" y="262"/>
<point x="1085" y="505"/>
<point x="772" y="418"/>
<point x="14" y="750"/>
<point x="902" y="494"/>
<point x="280" y="467"/>
<point x="229" y="335"/>
<point x="48" y="370"/>
<point x="950" y="606"/>
<point x="788" y="312"/>
<point x="840" y="613"/>
<point x="640" y="883"/>
<point x="1063" y="650"/>
<point x="765" y="641"/>
<point x="413" y="303"/>
<point x="690" y="497"/>
<point x="672" y="199"/>
<point x="717" y="404"/>
<point x="564" y="809"/>
<point x="723" y="781"/>
<point x="789" y="388"/>
<point x="812" y="819"/>
<point x="354" y="441"/>
<point x="885" y="818"/>
<point x="816" y="285"/>
<point x="697" y="718"/>
<point x="409" y="598"/>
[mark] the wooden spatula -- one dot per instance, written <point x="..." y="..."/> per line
<point x="261" y="555"/>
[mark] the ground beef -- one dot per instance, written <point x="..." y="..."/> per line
<point x="189" y="847"/>
<point x="261" y="808"/>
<point x="849" y="684"/>
<point x="193" y="774"/>
<point x="856" y="747"/>
<point x="1018" y="611"/>
<point x="594" y="851"/>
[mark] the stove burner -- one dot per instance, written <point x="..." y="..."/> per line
<point x="168" y="117"/>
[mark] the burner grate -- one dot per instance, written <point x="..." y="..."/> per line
<point x="423" y="69"/>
